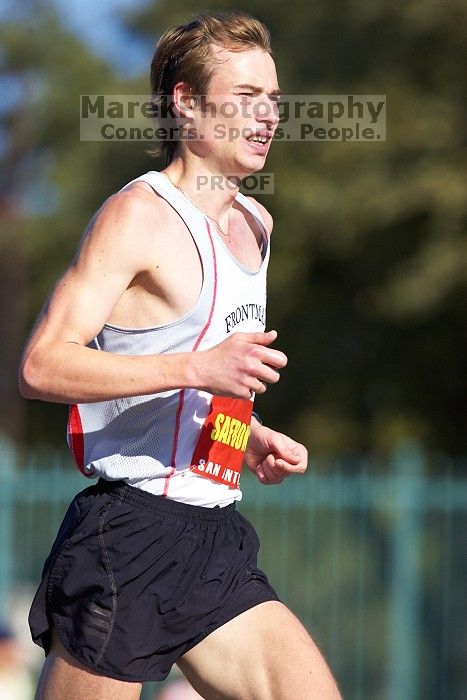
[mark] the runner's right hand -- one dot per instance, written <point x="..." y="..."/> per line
<point x="239" y="366"/>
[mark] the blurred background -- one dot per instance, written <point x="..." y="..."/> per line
<point x="367" y="288"/>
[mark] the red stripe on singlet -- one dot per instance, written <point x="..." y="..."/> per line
<point x="76" y="437"/>
<point x="181" y="398"/>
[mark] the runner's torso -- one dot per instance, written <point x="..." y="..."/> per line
<point x="186" y="445"/>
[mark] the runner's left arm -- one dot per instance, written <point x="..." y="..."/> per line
<point x="272" y="456"/>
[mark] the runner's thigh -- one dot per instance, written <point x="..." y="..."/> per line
<point x="263" y="653"/>
<point x="64" y="678"/>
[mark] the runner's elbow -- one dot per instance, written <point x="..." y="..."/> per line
<point x="32" y="377"/>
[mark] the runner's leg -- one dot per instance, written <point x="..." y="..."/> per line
<point x="64" y="678"/>
<point x="263" y="653"/>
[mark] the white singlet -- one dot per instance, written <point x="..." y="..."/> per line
<point x="187" y="445"/>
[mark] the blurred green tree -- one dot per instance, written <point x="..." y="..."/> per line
<point x="51" y="185"/>
<point x="369" y="267"/>
<point x="368" y="277"/>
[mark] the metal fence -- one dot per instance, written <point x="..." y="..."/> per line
<point x="370" y="555"/>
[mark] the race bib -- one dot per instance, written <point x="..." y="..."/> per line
<point x="219" y="452"/>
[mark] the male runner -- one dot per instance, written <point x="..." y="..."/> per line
<point x="155" y="337"/>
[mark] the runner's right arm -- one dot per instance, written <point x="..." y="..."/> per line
<point x="56" y="364"/>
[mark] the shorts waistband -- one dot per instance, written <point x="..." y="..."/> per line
<point x="162" y="505"/>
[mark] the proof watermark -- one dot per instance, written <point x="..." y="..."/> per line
<point x="257" y="183"/>
<point x="292" y="118"/>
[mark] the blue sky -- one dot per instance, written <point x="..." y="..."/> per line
<point x="97" y="21"/>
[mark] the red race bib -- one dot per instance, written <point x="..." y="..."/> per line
<point x="218" y="454"/>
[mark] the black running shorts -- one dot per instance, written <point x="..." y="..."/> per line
<point x="133" y="580"/>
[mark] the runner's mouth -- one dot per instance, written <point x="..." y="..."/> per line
<point x="259" y="141"/>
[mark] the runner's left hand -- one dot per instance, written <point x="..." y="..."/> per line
<point x="272" y="456"/>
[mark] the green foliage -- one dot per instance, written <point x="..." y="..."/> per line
<point x="369" y="267"/>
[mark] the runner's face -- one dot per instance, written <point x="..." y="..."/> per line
<point x="244" y="93"/>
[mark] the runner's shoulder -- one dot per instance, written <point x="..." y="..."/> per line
<point x="132" y="215"/>
<point x="265" y="215"/>
<point x="136" y="202"/>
